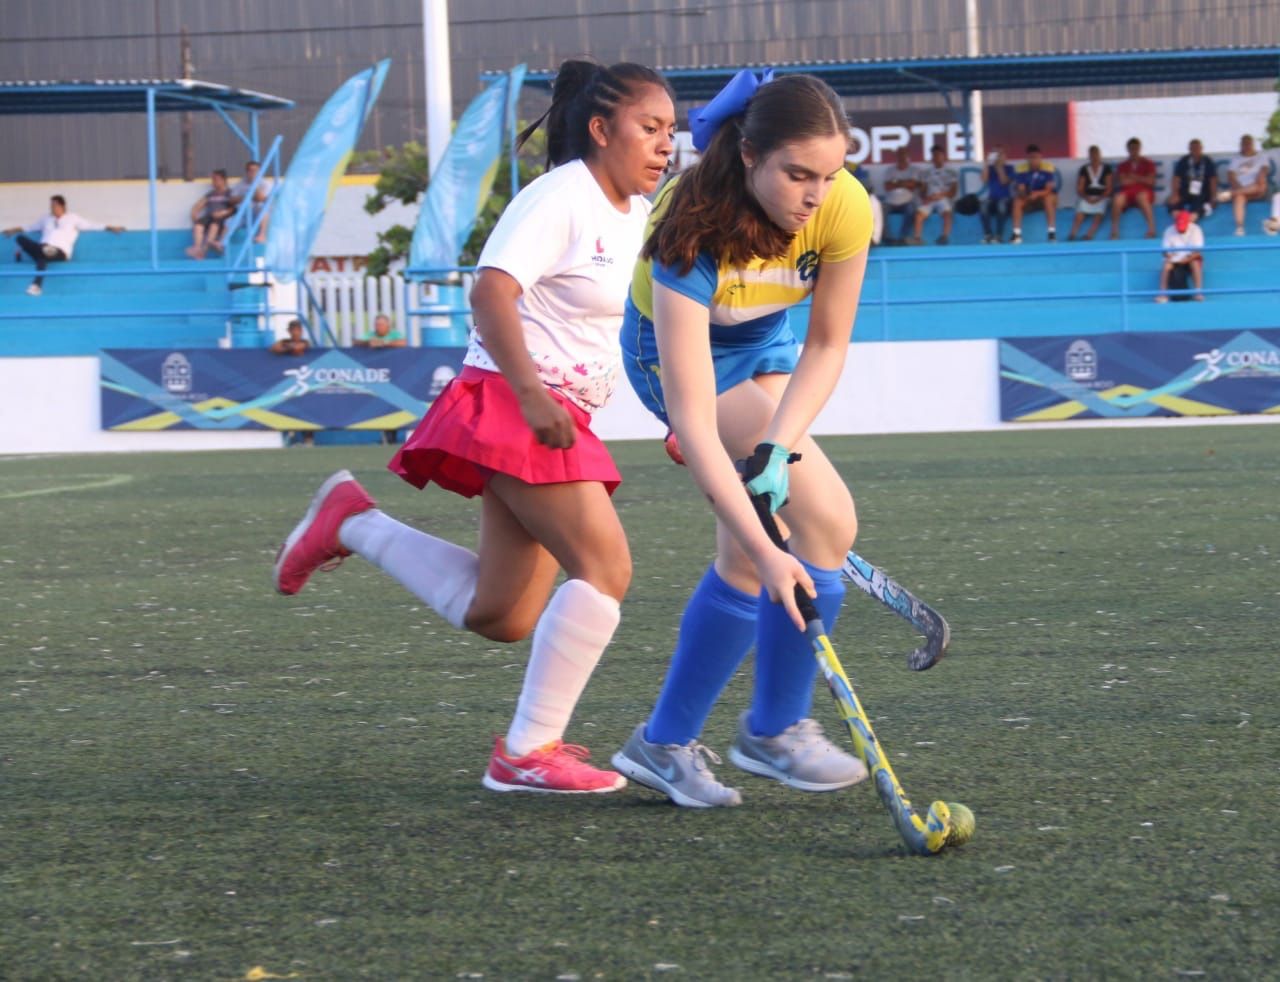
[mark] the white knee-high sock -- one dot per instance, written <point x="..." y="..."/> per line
<point x="440" y="574"/>
<point x="571" y="635"/>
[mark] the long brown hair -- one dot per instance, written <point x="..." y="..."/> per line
<point x="582" y="90"/>
<point x="711" y="209"/>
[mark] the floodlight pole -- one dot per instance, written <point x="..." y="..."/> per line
<point x="974" y="100"/>
<point x="151" y="173"/>
<point x="435" y="70"/>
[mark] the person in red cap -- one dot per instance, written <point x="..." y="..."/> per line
<point x="1182" y="243"/>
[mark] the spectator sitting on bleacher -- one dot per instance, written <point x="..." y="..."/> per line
<point x="1093" y="191"/>
<point x="1195" y="183"/>
<point x="58" y="233"/>
<point x="1248" y="175"/>
<point x="938" y="185"/>
<point x="1135" y="185"/>
<point x="383" y="336"/>
<point x="1036" y="187"/>
<point x="209" y="215"/>
<point x="998" y="176"/>
<point x="295" y="344"/>
<point x="900" y="185"/>
<point x="1182" y="242"/>
<point x="260" y="194"/>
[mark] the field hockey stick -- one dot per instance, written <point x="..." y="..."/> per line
<point x="924" y="838"/>
<point x="875" y="584"/>
<point x="926" y="620"/>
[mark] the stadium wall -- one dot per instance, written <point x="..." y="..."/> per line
<point x="51" y="405"/>
<point x="886" y="387"/>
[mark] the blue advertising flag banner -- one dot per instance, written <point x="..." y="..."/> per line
<point x="1128" y="376"/>
<point x="253" y="389"/>
<point x="463" y="178"/>
<point x="317" y="166"/>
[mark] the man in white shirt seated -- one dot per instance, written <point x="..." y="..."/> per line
<point x="1182" y="242"/>
<point x="58" y="233"/>
<point x="900" y="186"/>
<point x="260" y="195"/>
<point x="1247" y="175"/>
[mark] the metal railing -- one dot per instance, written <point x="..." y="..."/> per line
<point x="255" y="317"/>
<point x="443" y="303"/>
<point x="877" y="291"/>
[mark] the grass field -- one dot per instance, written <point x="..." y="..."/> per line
<point x="198" y="777"/>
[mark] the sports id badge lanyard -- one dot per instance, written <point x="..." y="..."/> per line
<point x="1195" y="178"/>
<point x="1095" y="177"/>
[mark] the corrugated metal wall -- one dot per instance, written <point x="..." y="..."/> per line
<point x="303" y="49"/>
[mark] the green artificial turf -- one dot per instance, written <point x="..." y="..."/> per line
<point x="198" y="777"/>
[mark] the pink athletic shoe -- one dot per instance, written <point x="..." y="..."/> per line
<point x="557" y="768"/>
<point x="313" y="544"/>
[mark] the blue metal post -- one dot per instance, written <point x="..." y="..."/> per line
<point x="515" y="157"/>
<point x="1124" y="291"/>
<point x="884" y="299"/>
<point x="151" y="174"/>
<point x="253" y="136"/>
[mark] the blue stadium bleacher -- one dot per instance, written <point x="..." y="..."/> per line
<point x="112" y="275"/>
<point x="956" y="275"/>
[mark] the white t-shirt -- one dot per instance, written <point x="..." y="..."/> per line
<point x="937" y="180"/>
<point x="899" y="196"/>
<point x="1178" y="246"/>
<point x="1246" y="169"/>
<point x="259" y="195"/>
<point x="61" y="233"/>
<point x="573" y="253"/>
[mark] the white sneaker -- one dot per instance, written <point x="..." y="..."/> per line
<point x="34" y="290"/>
<point x="679" y="771"/>
<point x="1240" y="231"/>
<point x="1271" y="225"/>
<point x="800" y="757"/>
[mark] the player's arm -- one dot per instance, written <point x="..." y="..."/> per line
<point x="493" y="302"/>
<point x="682" y="329"/>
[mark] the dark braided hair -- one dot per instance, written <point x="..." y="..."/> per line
<point x="583" y="90"/>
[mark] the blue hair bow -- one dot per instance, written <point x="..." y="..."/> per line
<point x="728" y="102"/>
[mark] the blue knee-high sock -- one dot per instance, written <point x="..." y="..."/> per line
<point x="785" y="666"/>
<point x="716" y="632"/>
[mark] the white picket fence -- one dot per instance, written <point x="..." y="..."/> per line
<point x="351" y="301"/>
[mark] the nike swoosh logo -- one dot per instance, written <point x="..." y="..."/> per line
<point x="667" y="773"/>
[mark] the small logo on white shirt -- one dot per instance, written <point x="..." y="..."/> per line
<point x="600" y="257"/>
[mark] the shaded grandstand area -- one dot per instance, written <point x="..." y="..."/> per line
<point x="110" y="297"/>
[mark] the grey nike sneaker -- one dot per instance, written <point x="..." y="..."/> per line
<point x="679" y="771"/>
<point x="800" y="757"/>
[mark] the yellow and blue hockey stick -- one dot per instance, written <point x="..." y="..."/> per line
<point x="923" y="837"/>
